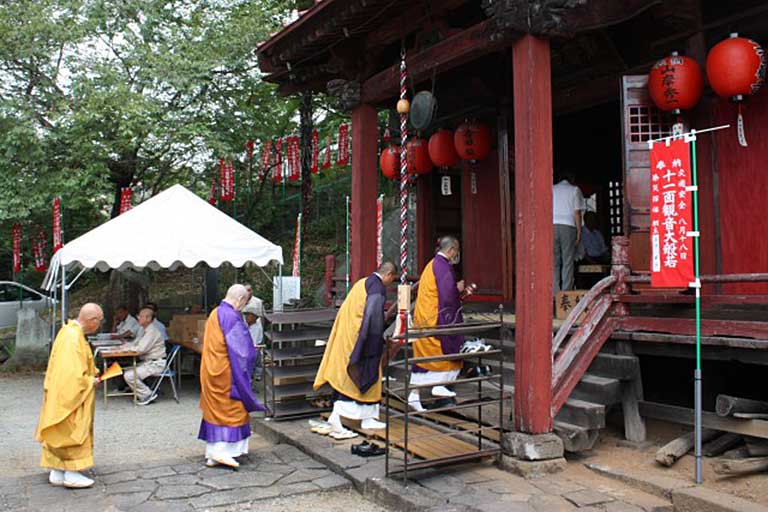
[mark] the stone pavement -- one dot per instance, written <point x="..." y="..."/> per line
<point x="469" y="487"/>
<point x="268" y="473"/>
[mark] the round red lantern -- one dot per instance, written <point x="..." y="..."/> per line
<point x="417" y="154"/>
<point x="675" y="83"/>
<point x="442" y="151"/>
<point x="390" y="162"/>
<point x="472" y="141"/>
<point x="736" y="67"/>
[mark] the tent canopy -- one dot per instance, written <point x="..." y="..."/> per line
<point x="173" y="228"/>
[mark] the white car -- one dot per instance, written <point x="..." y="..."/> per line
<point x="14" y="296"/>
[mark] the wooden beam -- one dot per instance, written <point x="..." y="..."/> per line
<point x="533" y="249"/>
<point x="706" y="300"/>
<point x="411" y="20"/>
<point x="364" y="182"/>
<point x="736" y="328"/>
<point x="685" y="416"/>
<point x="449" y="53"/>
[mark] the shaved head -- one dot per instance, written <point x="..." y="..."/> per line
<point x="90" y="317"/>
<point x="237" y="296"/>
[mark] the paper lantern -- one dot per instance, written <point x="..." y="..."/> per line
<point x="417" y="154"/>
<point x="472" y="141"/>
<point x="390" y="162"/>
<point x="675" y="83"/>
<point x="442" y="150"/>
<point x="736" y="67"/>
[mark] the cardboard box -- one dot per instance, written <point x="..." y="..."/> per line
<point x="566" y="301"/>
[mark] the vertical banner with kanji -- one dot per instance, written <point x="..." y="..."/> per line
<point x="277" y="174"/>
<point x="212" y="194"/>
<point x="327" y="156"/>
<point x="16" y="234"/>
<point x="297" y="249"/>
<point x="293" y="153"/>
<point x="126" y="200"/>
<point x="266" y="158"/>
<point x="379" y="222"/>
<point x="314" y="169"/>
<point x="38" y="251"/>
<point x="226" y="179"/>
<point x="342" y="155"/>
<point x="58" y="242"/>
<point x="671" y="215"/>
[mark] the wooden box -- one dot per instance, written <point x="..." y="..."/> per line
<point x="566" y="301"/>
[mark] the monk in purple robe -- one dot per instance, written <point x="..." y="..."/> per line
<point x="226" y="398"/>
<point x="437" y="304"/>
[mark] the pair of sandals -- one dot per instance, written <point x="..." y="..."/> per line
<point x="326" y="429"/>
<point x="321" y="403"/>
<point x="366" y="449"/>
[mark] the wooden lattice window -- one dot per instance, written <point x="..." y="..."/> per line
<point x="646" y="123"/>
<point x="615" y="207"/>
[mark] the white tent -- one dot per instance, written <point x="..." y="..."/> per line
<point x="173" y="228"/>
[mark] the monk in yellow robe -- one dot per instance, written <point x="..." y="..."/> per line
<point x="438" y="304"/>
<point x="226" y="367"/>
<point x="65" y="428"/>
<point x="351" y="362"/>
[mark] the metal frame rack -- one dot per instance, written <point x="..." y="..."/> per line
<point x="487" y="396"/>
<point x="292" y="354"/>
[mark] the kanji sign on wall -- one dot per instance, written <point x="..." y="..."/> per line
<point x="671" y="215"/>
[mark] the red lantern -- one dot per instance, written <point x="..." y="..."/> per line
<point x="675" y="83"/>
<point x="390" y="162"/>
<point x="442" y="150"/>
<point x="736" y="68"/>
<point x="417" y="154"/>
<point x="473" y="141"/>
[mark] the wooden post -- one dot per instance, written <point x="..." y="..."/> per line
<point x="364" y="180"/>
<point x="533" y="249"/>
<point x="330" y="269"/>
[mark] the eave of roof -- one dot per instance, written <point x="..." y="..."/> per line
<point x="296" y="25"/>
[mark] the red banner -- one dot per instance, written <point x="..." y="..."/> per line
<point x="297" y="249"/>
<point x="16" y="234"/>
<point x="126" y="200"/>
<point x="249" y="145"/>
<point x="226" y="179"/>
<point x="277" y="174"/>
<point x="342" y="155"/>
<point x="38" y="251"/>
<point x="379" y="220"/>
<point x="266" y="158"/>
<point x="314" y="169"/>
<point x="671" y="247"/>
<point x="327" y="157"/>
<point x="294" y="159"/>
<point x="212" y="194"/>
<point x="58" y="243"/>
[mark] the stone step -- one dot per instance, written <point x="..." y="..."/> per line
<point x="574" y="437"/>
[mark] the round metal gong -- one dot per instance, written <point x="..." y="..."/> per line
<point x="423" y="108"/>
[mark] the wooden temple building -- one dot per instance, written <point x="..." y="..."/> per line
<point x="563" y="87"/>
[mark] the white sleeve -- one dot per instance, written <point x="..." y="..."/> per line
<point x="578" y="200"/>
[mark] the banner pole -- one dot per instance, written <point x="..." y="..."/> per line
<point x="697" y="285"/>
<point x="346" y="273"/>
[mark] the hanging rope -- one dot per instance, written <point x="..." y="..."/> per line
<point x="403" y="174"/>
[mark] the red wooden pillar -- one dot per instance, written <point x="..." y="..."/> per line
<point x="533" y="247"/>
<point x="364" y="180"/>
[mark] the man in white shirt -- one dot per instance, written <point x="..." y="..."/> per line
<point x="127" y="327"/>
<point x="252" y="319"/>
<point x="157" y="323"/>
<point x="567" y="206"/>
<point x="255" y="302"/>
<point x="151" y="349"/>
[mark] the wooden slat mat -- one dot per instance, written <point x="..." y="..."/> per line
<point x="427" y="448"/>
<point x="491" y="434"/>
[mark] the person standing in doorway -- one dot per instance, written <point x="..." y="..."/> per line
<point x="567" y="208"/>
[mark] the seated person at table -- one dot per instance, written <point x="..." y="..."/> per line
<point x="151" y="349"/>
<point x="251" y="313"/>
<point x="595" y="250"/>
<point x="157" y="323"/>
<point x="125" y="326"/>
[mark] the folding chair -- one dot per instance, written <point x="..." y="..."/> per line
<point x="169" y="373"/>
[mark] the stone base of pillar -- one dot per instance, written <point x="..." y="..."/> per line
<point x="532" y="456"/>
<point x="532" y="468"/>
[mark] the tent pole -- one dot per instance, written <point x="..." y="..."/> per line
<point x="63" y="294"/>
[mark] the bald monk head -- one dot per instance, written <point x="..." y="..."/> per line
<point x="388" y="272"/>
<point x="90" y="317"/>
<point x="237" y="296"/>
